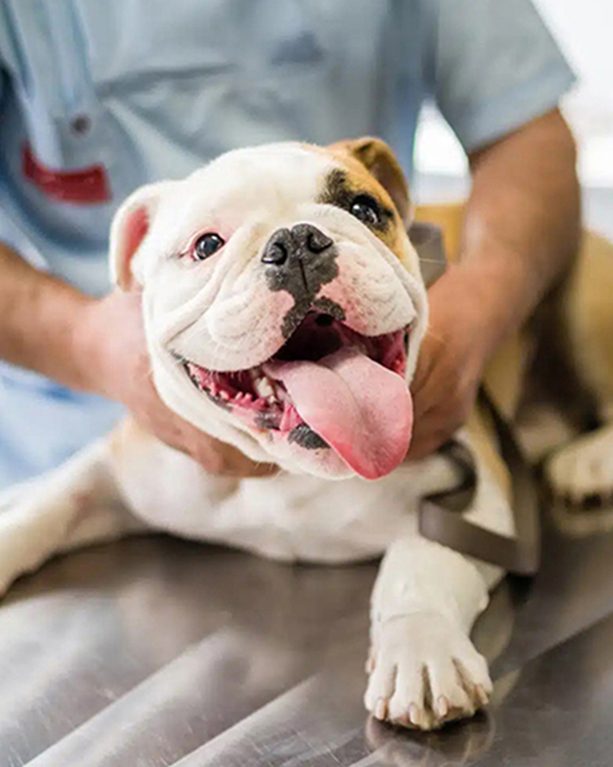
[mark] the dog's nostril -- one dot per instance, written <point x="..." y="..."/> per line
<point x="317" y="241"/>
<point x="275" y="254"/>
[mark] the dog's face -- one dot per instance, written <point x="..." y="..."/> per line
<point x="283" y="302"/>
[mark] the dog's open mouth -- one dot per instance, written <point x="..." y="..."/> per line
<point x="327" y="386"/>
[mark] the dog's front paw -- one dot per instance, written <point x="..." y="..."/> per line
<point x="424" y="672"/>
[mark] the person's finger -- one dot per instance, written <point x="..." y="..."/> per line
<point x="428" y="443"/>
<point x="237" y="464"/>
<point x="437" y="425"/>
<point x="425" y="404"/>
<point x="248" y="468"/>
<point x="224" y="460"/>
<point x="425" y="367"/>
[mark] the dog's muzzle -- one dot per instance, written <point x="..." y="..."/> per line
<point x="327" y="386"/>
<point x="300" y="261"/>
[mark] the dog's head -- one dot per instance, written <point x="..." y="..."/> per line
<point x="283" y="302"/>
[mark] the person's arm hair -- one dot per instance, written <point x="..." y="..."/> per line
<point x="39" y="317"/>
<point x="522" y="229"/>
<point x="523" y="220"/>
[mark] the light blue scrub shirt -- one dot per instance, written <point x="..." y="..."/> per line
<point x="151" y="89"/>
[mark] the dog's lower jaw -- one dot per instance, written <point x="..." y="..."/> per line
<point x="179" y="394"/>
<point x="321" y="363"/>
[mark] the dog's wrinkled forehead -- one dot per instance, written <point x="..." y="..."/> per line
<point x="271" y="184"/>
<point x="263" y="183"/>
<point x="277" y="175"/>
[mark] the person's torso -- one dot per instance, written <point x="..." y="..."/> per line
<point x="126" y="92"/>
<point x="97" y="98"/>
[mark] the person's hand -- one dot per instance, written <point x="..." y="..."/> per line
<point x="112" y="342"/>
<point x="450" y="363"/>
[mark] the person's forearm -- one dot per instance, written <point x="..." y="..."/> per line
<point x="38" y="321"/>
<point x="522" y="224"/>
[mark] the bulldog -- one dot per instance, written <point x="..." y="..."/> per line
<point x="284" y="309"/>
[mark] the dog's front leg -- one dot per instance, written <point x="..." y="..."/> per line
<point x="73" y="505"/>
<point x="424" y="670"/>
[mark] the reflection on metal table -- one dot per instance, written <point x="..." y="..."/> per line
<point x="156" y="651"/>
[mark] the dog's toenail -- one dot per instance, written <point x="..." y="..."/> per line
<point x="482" y="696"/>
<point x="381" y="709"/>
<point x="414" y="714"/>
<point x="442" y="706"/>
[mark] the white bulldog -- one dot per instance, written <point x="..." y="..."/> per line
<point x="284" y="310"/>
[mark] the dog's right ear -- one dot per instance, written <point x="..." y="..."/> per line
<point x="379" y="159"/>
<point x="130" y="226"/>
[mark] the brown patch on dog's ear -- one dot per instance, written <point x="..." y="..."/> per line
<point x="377" y="157"/>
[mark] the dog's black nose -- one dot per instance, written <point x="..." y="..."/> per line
<point x="300" y="260"/>
<point x="298" y="243"/>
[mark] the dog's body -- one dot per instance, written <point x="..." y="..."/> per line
<point x="313" y="255"/>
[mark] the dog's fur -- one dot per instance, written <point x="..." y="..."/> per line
<point x="227" y="313"/>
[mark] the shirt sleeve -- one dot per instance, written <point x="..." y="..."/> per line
<point x="494" y="67"/>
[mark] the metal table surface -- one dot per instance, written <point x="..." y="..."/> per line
<point x="155" y="651"/>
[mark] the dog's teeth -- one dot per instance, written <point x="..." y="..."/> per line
<point x="224" y="394"/>
<point x="263" y="388"/>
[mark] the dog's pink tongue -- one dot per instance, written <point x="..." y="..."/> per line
<point x="360" y="408"/>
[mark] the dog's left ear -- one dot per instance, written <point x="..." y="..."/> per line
<point x="130" y="226"/>
<point x="377" y="157"/>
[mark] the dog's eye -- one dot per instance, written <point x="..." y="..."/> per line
<point x="366" y="210"/>
<point x="207" y="245"/>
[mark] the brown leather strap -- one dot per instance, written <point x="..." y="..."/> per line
<point x="440" y="517"/>
<point x="438" y="521"/>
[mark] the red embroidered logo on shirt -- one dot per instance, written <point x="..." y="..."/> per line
<point x="81" y="187"/>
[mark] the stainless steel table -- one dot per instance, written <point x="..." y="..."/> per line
<point x="156" y="651"/>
